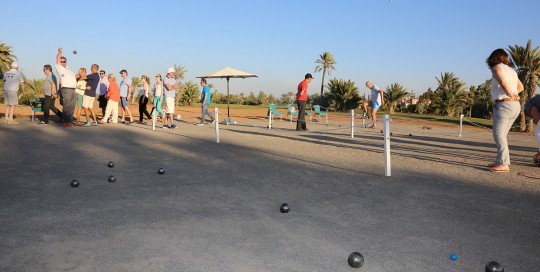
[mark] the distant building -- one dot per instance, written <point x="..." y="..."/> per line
<point x="408" y="100"/>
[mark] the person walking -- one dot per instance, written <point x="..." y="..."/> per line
<point x="205" y="101"/>
<point x="171" y="88"/>
<point x="158" y="96"/>
<point x="92" y="82"/>
<point x="49" y="90"/>
<point x="125" y="92"/>
<point x="301" y="100"/>
<point x="103" y="87"/>
<point x="377" y="100"/>
<point x="143" y="100"/>
<point x="505" y="89"/>
<point x="68" y="82"/>
<point x="113" y="99"/>
<point x="13" y="79"/>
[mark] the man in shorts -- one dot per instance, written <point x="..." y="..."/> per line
<point x="12" y="80"/>
<point x="68" y="82"/>
<point x="171" y="88"/>
<point x="377" y="100"/>
<point x="92" y="81"/>
<point x="50" y="91"/>
<point x="125" y="91"/>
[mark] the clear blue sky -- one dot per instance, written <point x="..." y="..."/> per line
<point x="405" y="41"/>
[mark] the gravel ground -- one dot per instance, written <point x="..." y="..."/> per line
<point x="216" y="208"/>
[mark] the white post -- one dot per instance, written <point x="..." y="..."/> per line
<point x="352" y="123"/>
<point x="363" y="122"/>
<point x="269" y="119"/>
<point x="460" y="125"/>
<point x="216" y="117"/>
<point x="154" y="118"/>
<point x="387" y="165"/>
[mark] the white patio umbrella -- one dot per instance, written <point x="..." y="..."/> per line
<point x="228" y="73"/>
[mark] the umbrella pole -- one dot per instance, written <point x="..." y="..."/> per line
<point x="228" y="101"/>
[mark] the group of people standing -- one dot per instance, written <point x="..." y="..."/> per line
<point x="78" y="92"/>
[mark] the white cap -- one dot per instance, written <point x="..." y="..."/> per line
<point x="170" y="70"/>
<point x="14" y="65"/>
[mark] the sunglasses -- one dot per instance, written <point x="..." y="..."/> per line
<point x="63" y="62"/>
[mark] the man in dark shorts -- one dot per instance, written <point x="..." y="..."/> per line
<point x="103" y="87"/>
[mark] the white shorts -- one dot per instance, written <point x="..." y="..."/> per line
<point x="169" y="104"/>
<point x="88" y="102"/>
<point x="11" y="97"/>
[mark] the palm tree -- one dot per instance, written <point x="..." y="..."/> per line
<point x="6" y="56"/>
<point x="179" y="74"/>
<point x="135" y="85"/>
<point x="526" y="61"/>
<point x="393" y="95"/>
<point x="450" y="97"/>
<point x="33" y="88"/>
<point x="190" y="94"/>
<point x="343" y="94"/>
<point x="326" y="64"/>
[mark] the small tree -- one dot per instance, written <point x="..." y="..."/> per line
<point x="393" y="95"/>
<point x="343" y="94"/>
<point x="191" y="93"/>
<point x="135" y="85"/>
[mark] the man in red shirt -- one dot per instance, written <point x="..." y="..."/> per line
<point x="301" y="99"/>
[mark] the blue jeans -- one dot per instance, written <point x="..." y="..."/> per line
<point x="205" y="112"/>
<point x="504" y="115"/>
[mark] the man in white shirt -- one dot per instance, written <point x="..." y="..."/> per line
<point x="68" y="82"/>
<point x="12" y="80"/>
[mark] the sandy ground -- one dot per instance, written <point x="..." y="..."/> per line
<point x="217" y="206"/>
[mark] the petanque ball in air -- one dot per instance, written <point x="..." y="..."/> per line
<point x="494" y="266"/>
<point x="161" y="171"/>
<point x="74" y="51"/>
<point x="112" y="179"/>
<point x="110" y="164"/>
<point x="453" y="256"/>
<point x="410" y="134"/>
<point x="284" y="208"/>
<point x="74" y="183"/>
<point x="355" y="260"/>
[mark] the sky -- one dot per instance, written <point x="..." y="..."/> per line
<point x="409" y="42"/>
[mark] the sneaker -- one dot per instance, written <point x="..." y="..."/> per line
<point x="66" y="125"/>
<point x="173" y="126"/>
<point x="213" y="122"/>
<point x="42" y="123"/>
<point x="109" y="119"/>
<point x="200" y="124"/>
<point x="127" y="122"/>
<point x="94" y="123"/>
<point x="87" y="124"/>
<point x="166" y="127"/>
<point x="101" y="121"/>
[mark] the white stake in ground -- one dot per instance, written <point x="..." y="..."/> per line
<point x="216" y="117"/>
<point x="269" y="119"/>
<point x="387" y="165"/>
<point x="460" y="125"/>
<point x="154" y="119"/>
<point x="352" y="123"/>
